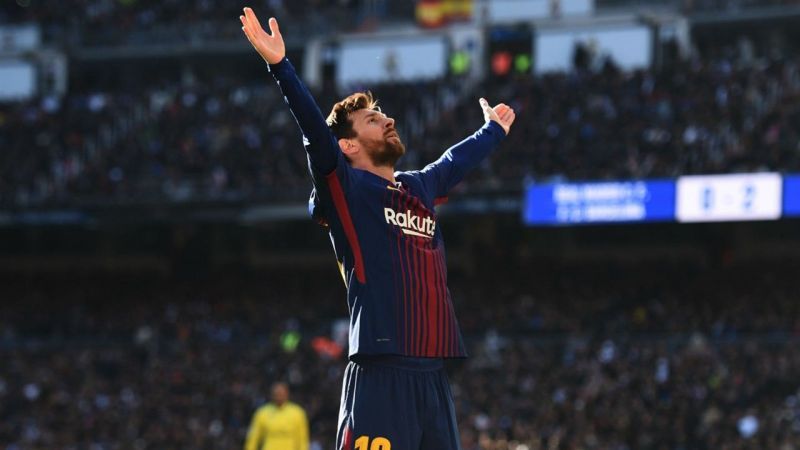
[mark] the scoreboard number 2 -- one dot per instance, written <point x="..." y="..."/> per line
<point x="378" y="443"/>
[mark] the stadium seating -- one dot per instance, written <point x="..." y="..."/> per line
<point x="663" y="355"/>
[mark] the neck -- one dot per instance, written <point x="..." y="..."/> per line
<point x="385" y="172"/>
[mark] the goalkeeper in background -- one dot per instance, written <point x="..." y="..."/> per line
<point x="278" y="425"/>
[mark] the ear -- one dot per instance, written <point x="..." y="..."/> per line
<point x="348" y="146"/>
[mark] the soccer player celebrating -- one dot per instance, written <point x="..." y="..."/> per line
<point x="391" y="254"/>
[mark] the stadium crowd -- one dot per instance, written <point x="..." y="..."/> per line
<point x="199" y="140"/>
<point x="597" y="356"/>
<point x="223" y="138"/>
<point x="132" y="22"/>
<point x="655" y="356"/>
<point x="135" y="22"/>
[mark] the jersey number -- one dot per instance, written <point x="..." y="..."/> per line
<point x="378" y="443"/>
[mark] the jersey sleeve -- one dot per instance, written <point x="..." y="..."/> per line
<point x="330" y="171"/>
<point x="440" y="176"/>
<point x="328" y="189"/>
<point x="320" y="144"/>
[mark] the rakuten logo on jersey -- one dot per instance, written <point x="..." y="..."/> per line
<point x="411" y="223"/>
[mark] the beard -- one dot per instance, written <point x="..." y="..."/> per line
<point x="387" y="152"/>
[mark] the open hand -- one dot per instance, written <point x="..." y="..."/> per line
<point x="270" y="47"/>
<point x="502" y="114"/>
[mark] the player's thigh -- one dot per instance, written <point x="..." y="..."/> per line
<point x="379" y="411"/>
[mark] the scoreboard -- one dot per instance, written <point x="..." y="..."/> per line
<point x="791" y="196"/>
<point x="720" y="198"/>
<point x="628" y="201"/>
<point x="695" y="198"/>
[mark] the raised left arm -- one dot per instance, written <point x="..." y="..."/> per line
<point x="441" y="175"/>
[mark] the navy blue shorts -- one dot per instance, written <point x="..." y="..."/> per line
<point x="396" y="403"/>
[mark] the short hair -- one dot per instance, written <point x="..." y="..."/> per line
<point x="339" y="119"/>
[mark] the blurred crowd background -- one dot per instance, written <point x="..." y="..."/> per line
<point x="577" y="356"/>
<point x="205" y="139"/>
<point x="152" y="130"/>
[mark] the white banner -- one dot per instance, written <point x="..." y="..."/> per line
<point x="515" y="11"/>
<point x="719" y="198"/>
<point x="629" y="46"/>
<point x="373" y="60"/>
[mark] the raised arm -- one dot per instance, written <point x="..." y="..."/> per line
<point x="441" y="175"/>
<point x="322" y="148"/>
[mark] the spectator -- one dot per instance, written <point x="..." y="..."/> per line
<point x="278" y="425"/>
<point x="664" y="356"/>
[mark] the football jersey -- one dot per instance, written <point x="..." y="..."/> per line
<point x="276" y="427"/>
<point x="385" y="236"/>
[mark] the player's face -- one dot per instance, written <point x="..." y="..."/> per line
<point x="280" y="393"/>
<point x="377" y="136"/>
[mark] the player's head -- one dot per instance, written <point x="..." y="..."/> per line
<point x="364" y="132"/>
<point x="280" y="393"/>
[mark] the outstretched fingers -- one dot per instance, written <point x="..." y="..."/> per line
<point x="246" y="29"/>
<point x="274" y="29"/>
<point x="270" y="47"/>
<point x="251" y="18"/>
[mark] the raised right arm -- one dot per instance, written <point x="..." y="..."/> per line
<point x="323" y="150"/>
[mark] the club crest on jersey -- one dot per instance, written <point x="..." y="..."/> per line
<point x="411" y="223"/>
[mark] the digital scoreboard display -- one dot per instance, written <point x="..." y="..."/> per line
<point x="737" y="197"/>
<point x="693" y="198"/>
<point x="791" y="195"/>
<point x="602" y="202"/>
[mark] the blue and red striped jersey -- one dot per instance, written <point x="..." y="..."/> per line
<point x="385" y="235"/>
